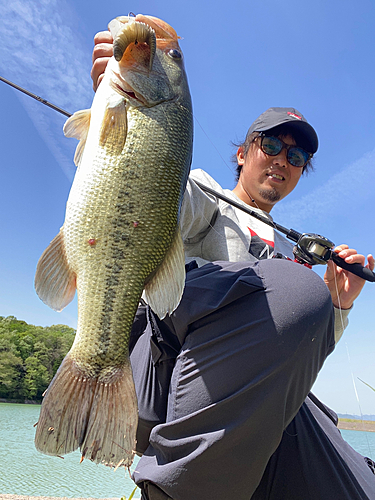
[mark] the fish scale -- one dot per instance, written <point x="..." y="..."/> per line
<point x="120" y="238"/>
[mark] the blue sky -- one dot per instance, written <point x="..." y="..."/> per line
<point x="241" y="58"/>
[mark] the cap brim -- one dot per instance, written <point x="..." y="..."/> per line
<point x="303" y="127"/>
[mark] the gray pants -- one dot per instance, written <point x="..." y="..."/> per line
<point x="220" y="380"/>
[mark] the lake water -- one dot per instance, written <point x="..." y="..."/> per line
<point x="363" y="442"/>
<point x="25" y="471"/>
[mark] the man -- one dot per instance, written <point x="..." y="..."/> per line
<point x="221" y="383"/>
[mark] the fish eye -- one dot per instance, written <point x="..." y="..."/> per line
<point x="175" y="54"/>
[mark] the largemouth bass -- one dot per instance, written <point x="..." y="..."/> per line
<point x="120" y="236"/>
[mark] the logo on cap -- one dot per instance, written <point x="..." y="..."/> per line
<point x="294" y="115"/>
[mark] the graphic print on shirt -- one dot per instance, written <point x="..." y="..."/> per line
<point x="261" y="249"/>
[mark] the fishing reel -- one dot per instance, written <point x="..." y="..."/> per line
<point x="310" y="248"/>
<point x="314" y="249"/>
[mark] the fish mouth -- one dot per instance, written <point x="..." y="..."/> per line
<point x="163" y="31"/>
<point x="135" y="39"/>
<point x="137" y="34"/>
<point x="122" y="87"/>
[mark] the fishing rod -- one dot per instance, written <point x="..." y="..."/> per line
<point x="34" y="96"/>
<point x="310" y="248"/>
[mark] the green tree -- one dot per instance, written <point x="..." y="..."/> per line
<point x="36" y="378"/>
<point x="30" y="356"/>
<point x="11" y="374"/>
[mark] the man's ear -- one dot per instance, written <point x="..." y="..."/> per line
<point x="240" y="156"/>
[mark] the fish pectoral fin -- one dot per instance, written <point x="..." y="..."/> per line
<point x="55" y="282"/>
<point x="99" y="416"/>
<point x="164" y="290"/>
<point x="114" y="128"/>
<point x="77" y="126"/>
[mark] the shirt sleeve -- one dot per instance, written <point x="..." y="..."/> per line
<point x="198" y="210"/>
<point x="341" y="322"/>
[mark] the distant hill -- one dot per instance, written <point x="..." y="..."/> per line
<point x="356" y="417"/>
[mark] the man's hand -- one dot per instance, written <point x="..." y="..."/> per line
<point x="102" y="52"/>
<point x="346" y="287"/>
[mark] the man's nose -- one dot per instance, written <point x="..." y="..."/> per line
<point x="281" y="159"/>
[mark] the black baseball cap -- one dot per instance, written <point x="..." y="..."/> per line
<point x="274" y="117"/>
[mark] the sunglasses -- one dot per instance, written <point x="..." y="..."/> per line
<point x="272" y="146"/>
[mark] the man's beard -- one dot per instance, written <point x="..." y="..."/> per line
<point x="270" y="195"/>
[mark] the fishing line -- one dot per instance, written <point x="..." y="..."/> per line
<point x="231" y="170"/>
<point x="199" y="208"/>
<point x="213" y="145"/>
<point x="62" y="111"/>
<point x="226" y="164"/>
<point x="311" y="248"/>
<point x="348" y="355"/>
<point x="248" y="194"/>
<point x="357" y="396"/>
<point x="336" y="287"/>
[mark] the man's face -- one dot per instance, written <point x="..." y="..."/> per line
<point x="266" y="179"/>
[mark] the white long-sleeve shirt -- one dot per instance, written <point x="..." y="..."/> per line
<point x="213" y="229"/>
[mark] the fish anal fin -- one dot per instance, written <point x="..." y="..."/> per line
<point x="114" y="128"/>
<point x="164" y="290"/>
<point x="98" y="416"/>
<point x="55" y="282"/>
<point x="77" y="126"/>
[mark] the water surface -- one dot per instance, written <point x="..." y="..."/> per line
<point x="25" y="471"/>
<point x="361" y="441"/>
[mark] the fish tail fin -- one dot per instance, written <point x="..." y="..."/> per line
<point x="99" y="416"/>
<point x="111" y="430"/>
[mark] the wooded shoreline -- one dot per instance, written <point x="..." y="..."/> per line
<point x="29" y="357"/>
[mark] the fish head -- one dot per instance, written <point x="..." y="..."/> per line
<point x="148" y="66"/>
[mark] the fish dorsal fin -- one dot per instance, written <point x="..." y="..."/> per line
<point x="164" y="290"/>
<point x="55" y="282"/>
<point x="77" y="126"/>
<point x="114" y="127"/>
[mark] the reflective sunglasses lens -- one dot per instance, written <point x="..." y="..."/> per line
<point x="271" y="145"/>
<point x="297" y="157"/>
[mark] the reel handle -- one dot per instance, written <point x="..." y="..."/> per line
<point x="357" y="269"/>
